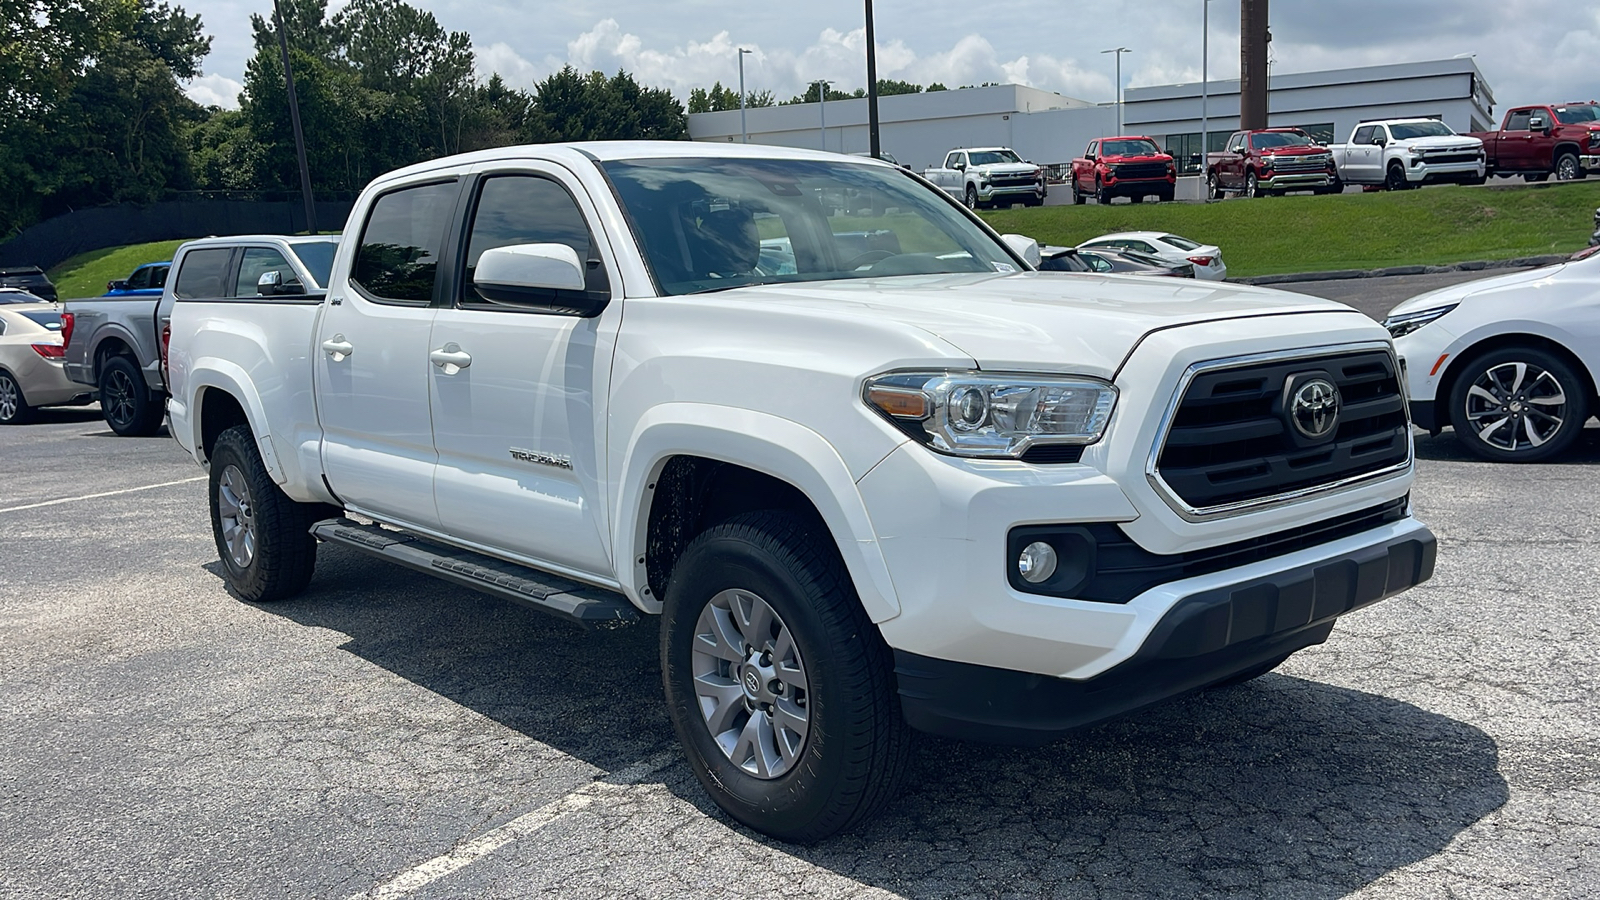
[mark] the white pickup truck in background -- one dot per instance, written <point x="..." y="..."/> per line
<point x="1408" y="153"/>
<point x="881" y="482"/>
<point x="989" y="176"/>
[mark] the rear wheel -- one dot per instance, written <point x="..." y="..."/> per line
<point x="1567" y="168"/>
<point x="1077" y="195"/>
<point x="1542" y="176"/>
<point x="1213" y="187"/>
<point x="1518" y="404"/>
<point x="127" y="404"/>
<point x="778" y="685"/>
<point x="263" y="538"/>
<point x="14" y="408"/>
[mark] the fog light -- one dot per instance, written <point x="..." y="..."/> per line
<point x="1037" y="562"/>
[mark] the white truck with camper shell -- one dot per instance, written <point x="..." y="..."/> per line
<point x="989" y="176"/>
<point x="901" y="481"/>
<point x="1406" y="153"/>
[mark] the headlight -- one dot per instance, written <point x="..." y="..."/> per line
<point x="1405" y="323"/>
<point x="992" y="415"/>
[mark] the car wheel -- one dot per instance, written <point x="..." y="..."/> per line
<point x="1077" y="196"/>
<point x="1102" y="196"/>
<point x="263" y="538"/>
<point x="1567" y="168"/>
<point x="1252" y="673"/>
<point x="14" y="408"/>
<point x="1213" y="187"/>
<point x="1166" y="196"/>
<point x="1136" y="198"/>
<point x="778" y="685"/>
<point x="1395" y="179"/>
<point x="972" y="197"/>
<point x="1518" y="404"/>
<point x="1252" y="186"/>
<point x="1542" y="176"/>
<point x="125" y="401"/>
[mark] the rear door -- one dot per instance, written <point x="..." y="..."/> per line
<point x="371" y="355"/>
<point x="519" y="394"/>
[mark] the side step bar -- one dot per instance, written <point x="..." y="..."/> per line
<point x="589" y="606"/>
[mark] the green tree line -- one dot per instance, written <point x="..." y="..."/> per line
<point x="94" y="112"/>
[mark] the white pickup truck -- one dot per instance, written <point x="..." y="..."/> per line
<point x="1408" y="153"/>
<point x="895" y="480"/>
<point x="989" y="176"/>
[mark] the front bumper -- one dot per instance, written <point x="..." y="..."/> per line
<point x="1590" y="161"/>
<point x="1139" y="187"/>
<point x="1430" y="173"/>
<point x="1212" y="628"/>
<point x="1296" y="181"/>
<point x="1012" y="191"/>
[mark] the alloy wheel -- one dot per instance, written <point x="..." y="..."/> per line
<point x="1567" y="168"/>
<point x="116" y="398"/>
<point x="1516" y="406"/>
<point x="750" y="683"/>
<point x="10" y="398"/>
<point x="238" y="516"/>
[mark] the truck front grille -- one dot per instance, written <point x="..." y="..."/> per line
<point x="1140" y="170"/>
<point x="1293" y="164"/>
<point x="1437" y="159"/>
<point x="1232" y="439"/>
<point x="1014" y="180"/>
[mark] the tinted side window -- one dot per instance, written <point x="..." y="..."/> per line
<point x="259" y="261"/>
<point x="1363" y="135"/>
<point x="202" y="274"/>
<point x="158" y="276"/>
<point x="526" y="209"/>
<point x="398" y="260"/>
<point x="950" y="161"/>
<point x="140" y="279"/>
<point x="1519" y="120"/>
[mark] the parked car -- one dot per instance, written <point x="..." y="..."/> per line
<point x="1109" y="262"/>
<point x="1172" y="248"/>
<point x="977" y="501"/>
<point x="145" y="281"/>
<point x="1407" y="153"/>
<point x="30" y="363"/>
<point x="1539" y="141"/>
<point x="1271" y="161"/>
<point x="989" y="176"/>
<point x="18" y="295"/>
<point x="115" y="343"/>
<point x="1509" y="362"/>
<point x="28" y="278"/>
<point x="1132" y="167"/>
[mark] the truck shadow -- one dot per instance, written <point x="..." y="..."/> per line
<point x="1446" y="448"/>
<point x="1282" y="784"/>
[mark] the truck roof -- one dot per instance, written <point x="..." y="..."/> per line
<point x="245" y="238"/>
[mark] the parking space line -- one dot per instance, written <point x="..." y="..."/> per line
<point x="148" y="487"/>
<point x="465" y="854"/>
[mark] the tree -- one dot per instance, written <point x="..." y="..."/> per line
<point x="937" y="86"/>
<point x="568" y="106"/>
<point x="888" y="87"/>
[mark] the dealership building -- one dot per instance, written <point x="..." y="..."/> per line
<point x="1049" y="128"/>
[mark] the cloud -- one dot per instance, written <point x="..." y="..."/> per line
<point x="214" y="90"/>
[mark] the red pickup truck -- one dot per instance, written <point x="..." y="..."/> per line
<point x="1543" y="140"/>
<point x="1132" y="167"/>
<point x="1271" y="161"/>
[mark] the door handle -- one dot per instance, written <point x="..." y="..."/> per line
<point x="451" y="358"/>
<point x="338" y="348"/>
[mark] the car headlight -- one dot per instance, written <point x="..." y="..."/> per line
<point x="1405" y="323"/>
<point x="992" y="415"/>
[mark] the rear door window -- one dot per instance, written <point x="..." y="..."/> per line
<point x="398" y="260"/>
<point x="202" y="274"/>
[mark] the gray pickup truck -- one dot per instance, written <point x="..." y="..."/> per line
<point x="116" y="344"/>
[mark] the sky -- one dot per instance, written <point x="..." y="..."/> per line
<point x="1529" y="51"/>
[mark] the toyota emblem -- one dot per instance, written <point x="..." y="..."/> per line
<point x="1314" y="409"/>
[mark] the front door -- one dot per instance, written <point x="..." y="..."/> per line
<point x="372" y="364"/>
<point x="519" y="397"/>
<point x="1515" y="150"/>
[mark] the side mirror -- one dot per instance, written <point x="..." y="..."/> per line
<point x="1242" y="151"/>
<point x="528" y="274"/>
<point x="118" y="285"/>
<point x="1090" y="157"/>
<point x="1026" y="247"/>
<point x="960" y="167"/>
<point x="1536" y="123"/>
<point x="1380" y="141"/>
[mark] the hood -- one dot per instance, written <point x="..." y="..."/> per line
<point x="1456" y="293"/>
<point x="1295" y="151"/>
<point x="1006" y="168"/>
<point x="1053" y="322"/>
<point x="1136" y="157"/>
<point x="1456" y="142"/>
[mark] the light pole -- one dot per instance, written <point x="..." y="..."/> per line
<point x="1119" y="51"/>
<point x="744" y="134"/>
<point x="822" y="108"/>
<point x="1205" y="82"/>
<point x="872" y="87"/>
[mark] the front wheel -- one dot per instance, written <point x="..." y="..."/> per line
<point x="972" y="197"/>
<point x="778" y="685"/>
<point x="1102" y="195"/>
<point x="263" y="538"/>
<point x="14" y="408"/>
<point x="1567" y="168"/>
<point x="1518" y="404"/>
<point x="1395" y="179"/>
<point x="1252" y="185"/>
<point x="127" y="404"/>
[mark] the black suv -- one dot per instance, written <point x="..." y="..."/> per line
<point x="29" y="278"/>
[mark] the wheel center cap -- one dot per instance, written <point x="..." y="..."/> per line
<point x="1516" y="406"/>
<point x="752" y="682"/>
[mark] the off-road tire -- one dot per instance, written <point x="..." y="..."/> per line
<point x="1573" y="414"/>
<point x="127" y="404"/>
<point x="285" y="552"/>
<point x="14" y="408"/>
<point x="858" y="744"/>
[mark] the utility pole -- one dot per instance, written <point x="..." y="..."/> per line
<point x="872" y="87"/>
<point x="1205" y="83"/>
<point x="1253" y="38"/>
<point x="1119" y="51"/>
<point x="294" y="120"/>
<point x="744" y="133"/>
<point x="822" y="109"/>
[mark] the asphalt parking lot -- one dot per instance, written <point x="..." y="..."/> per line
<point x="388" y="735"/>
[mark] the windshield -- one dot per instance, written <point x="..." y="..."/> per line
<point x="50" y="320"/>
<point x="317" y="257"/>
<point x="1407" y="130"/>
<point x="714" y="224"/>
<point x="1577" y="115"/>
<point x="19" y="297"/>
<point x="1128" y="148"/>
<point x="1270" y="139"/>
<point x="991" y="157"/>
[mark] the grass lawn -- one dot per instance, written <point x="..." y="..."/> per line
<point x="86" y="274"/>
<point x="1305" y="233"/>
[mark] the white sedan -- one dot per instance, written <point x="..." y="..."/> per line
<point x="1509" y="362"/>
<point x="1207" y="259"/>
<point x="31" y="374"/>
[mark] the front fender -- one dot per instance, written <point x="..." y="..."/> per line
<point x="765" y="443"/>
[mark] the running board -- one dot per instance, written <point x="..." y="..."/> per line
<point x="589" y="606"/>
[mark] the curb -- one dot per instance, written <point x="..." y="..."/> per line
<point x="1521" y="262"/>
